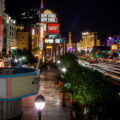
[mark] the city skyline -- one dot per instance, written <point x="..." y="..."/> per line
<point x="79" y="16"/>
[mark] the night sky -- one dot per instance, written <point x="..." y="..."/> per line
<point x="77" y="16"/>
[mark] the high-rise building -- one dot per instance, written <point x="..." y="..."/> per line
<point x="89" y="40"/>
<point x="22" y="40"/>
<point x="7" y="31"/>
<point x="11" y="34"/>
<point x="110" y="41"/>
<point x="46" y="36"/>
<point x="28" y="17"/>
<point x="114" y="44"/>
<point x="1" y="24"/>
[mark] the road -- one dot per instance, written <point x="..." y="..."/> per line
<point x="50" y="90"/>
<point x="108" y="69"/>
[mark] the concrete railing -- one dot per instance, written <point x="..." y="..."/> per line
<point x="17" y="83"/>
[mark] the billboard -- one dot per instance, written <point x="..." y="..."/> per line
<point x="48" y="17"/>
<point x="114" y="47"/>
<point x="59" y="40"/>
<point x="41" y="37"/>
<point x="53" y="28"/>
<point x="49" y="47"/>
<point x="48" y="40"/>
<point x="53" y="36"/>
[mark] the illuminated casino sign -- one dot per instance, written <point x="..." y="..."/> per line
<point x="48" y="40"/>
<point x="114" y="47"/>
<point x="53" y="36"/>
<point x="41" y="37"/>
<point x="52" y="40"/>
<point x="53" y="28"/>
<point x="48" y="17"/>
<point x="58" y="40"/>
<point x="49" y="47"/>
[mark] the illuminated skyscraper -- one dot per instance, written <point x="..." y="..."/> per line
<point x="89" y="40"/>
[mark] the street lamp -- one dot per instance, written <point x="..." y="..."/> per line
<point x="23" y="58"/>
<point x="20" y="59"/>
<point x="16" y="60"/>
<point x="39" y="104"/>
<point x="64" y="70"/>
<point x="58" y="62"/>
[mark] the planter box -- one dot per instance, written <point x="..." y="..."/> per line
<point x="67" y="99"/>
<point x="67" y="96"/>
<point x="60" y="84"/>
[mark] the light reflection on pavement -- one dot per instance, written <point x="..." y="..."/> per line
<point x="53" y="109"/>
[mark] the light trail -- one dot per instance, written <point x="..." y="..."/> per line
<point x="106" y="69"/>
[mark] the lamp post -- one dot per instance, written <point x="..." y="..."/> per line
<point x="39" y="104"/>
<point x="64" y="70"/>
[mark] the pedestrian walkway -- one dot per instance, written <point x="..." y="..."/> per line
<point x="50" y="90"/>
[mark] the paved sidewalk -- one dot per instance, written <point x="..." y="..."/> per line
<point x="53" y="109"/>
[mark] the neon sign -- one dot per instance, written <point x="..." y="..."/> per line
<point x="48" y="40"/>
<point x="41" y="36"/>
<point x="53" y="28"/>
<point x="48" y="17"/>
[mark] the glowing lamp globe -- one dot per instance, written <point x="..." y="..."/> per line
<point x="16" y="60"/>
<point x="64" y="69"/>
<point x="39" y="102"/>
<point x="20" y="59"/>
<point x="58" y="62"/>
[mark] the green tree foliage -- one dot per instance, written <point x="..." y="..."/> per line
<point x="86" y="85"/>
<point x="29" y="57"/>
<point x="90" y="87"/>
<point x="68" y="60"/>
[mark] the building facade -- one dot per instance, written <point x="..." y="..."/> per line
<point x="22" y="40"/>
<point x="89" y="40"/>
<point x="46" y="36"/>
<point x="7" y="31"/>
<point x="2" y="8"/>
<point x="36" y="36"/>
<point x="114" y="44"/>
<point x="11" y="34"/>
